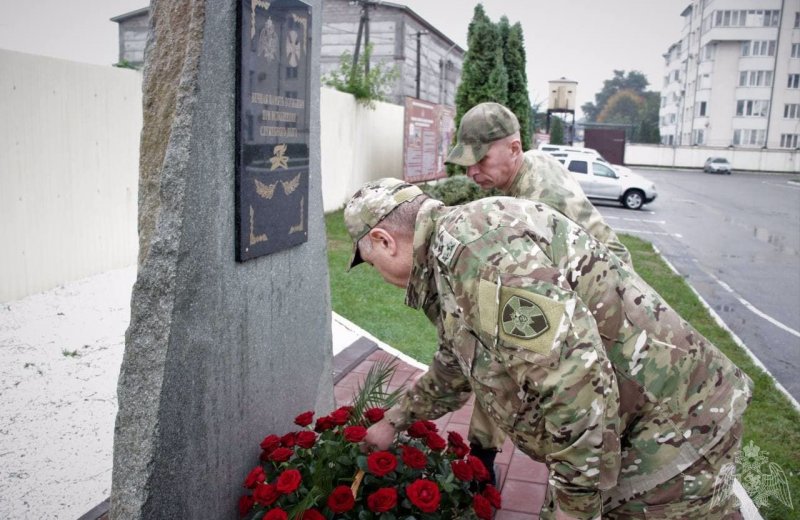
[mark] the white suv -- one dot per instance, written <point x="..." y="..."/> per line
<point x="600" y="182"/>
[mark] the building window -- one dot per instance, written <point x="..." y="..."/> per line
<point x="796" y="50"/>
<point x="663" y="101"/>
<point x="752" y="108"/>
<point x="758" y="48"/>
<point x="789" y="140"/>
<point x="749" y="137"/>
<point x="701" y="109"/>
<point x="741" y="18"/>
<point x="797" y="20"/>
<point x="791" y="111"/>
<point x="755" y="78"/>
<point x="794" y="81"/>
<point x="698" y="136"/>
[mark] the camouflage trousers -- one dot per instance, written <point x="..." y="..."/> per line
<point x="700" y="492"/>
<point x="483" y="432"/>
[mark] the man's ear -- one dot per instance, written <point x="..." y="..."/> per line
<point x="516" y="146"/>
<point x="382" y="239"/>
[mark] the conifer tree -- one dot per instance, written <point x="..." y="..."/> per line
<point x="518" y="100"/>
<point x="556" y="131"/>
<point x="483" y="76"/>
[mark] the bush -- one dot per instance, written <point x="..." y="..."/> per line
<point x="457" y="190"/>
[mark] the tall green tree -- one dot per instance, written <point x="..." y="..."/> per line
<point x="514" y="59"/>
<point x="634" y="81"/>
<point x="556" y="131"/>
<point x="483" y="75"/>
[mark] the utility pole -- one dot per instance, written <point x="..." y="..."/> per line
<point x="363" y="28"/>
<point x="419" y="58"/>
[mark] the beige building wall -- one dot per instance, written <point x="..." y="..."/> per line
<point x="69" y="155"/>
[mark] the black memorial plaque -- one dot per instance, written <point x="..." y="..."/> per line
<point x="272" y="129"/>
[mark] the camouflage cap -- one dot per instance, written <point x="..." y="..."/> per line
<point x="371" y="204"/>
<point x="482" y="125"/>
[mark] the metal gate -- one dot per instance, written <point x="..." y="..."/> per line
<point x="609" y="142"/>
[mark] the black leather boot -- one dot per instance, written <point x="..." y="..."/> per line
<point x="487" y="456"/>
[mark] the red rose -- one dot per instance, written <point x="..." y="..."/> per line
<point x="355" y="433"/>
<point x="380" y="463"/>
<point x="482" y="507"/>
<point x="288" y="481"/>
<point x="276" y="514"/>
<point x="382" y="500"/>
<point x="435" y="441"/>
<point x="245" y="504"/>
<point x="492" y="495"/>
<point x="323" y="424"/>
<point x="340" y="416"/>
<point x="414" y="458"/>
<point x="456" y="445"/>
<point x="270" y="442"/>
<point x="255" y="476"/>
<point x="480" y="471"/>
<point x="418" y="430"/>
<point x="431" y="426"/>
<point x="288" y="440"/>
<point x="312" y="514"/>
<point x="462" y="470"/>
<point x="341" y="499"/>
<point x="266" y="494"/>
<point x="424" y="494"/>
<point x="280" y="455"/>
<point x="374" y="415"/>
<point x="306" y="439"/>
<point x="304" y="419"/>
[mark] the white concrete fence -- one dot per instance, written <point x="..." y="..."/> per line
<point x="69" y="151"/>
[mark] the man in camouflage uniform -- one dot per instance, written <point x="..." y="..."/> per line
<point x="568" y="351"/>
<point x="490" y="148"/>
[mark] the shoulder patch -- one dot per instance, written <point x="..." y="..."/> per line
<point x="523" y="319"/>
<point x="446" y="247"/>
<point x="528" y="320"/>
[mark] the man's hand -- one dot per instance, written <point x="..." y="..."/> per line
<point x="380" y="435"/>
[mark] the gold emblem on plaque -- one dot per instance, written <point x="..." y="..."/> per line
<point x="253" y="4"/>
<point x="293" y="48"/>
<point x="302" y="20"/>
<point x="279" y="160"/>
<point x="265" y="191"/>
<point x="301" y="226"/>
<point x="255" y="239"/>
<point x="290" y="186"/>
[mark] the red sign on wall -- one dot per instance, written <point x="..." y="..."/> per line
<point x="427" y="134"/>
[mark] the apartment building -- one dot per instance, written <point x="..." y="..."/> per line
<point x="733" y="78"/>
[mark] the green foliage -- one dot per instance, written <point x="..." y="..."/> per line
<point x="556" y="131"/>
<point x="366" y="87"/>
<point x="483" y="75"/>
<point x="456" y="190"/>
<point x="634" y="81"/>
<point x="373" y="391"/>
<point x="518" y="100"/>
<point x="125" y="64"/>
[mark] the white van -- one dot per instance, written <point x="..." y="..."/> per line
<point x="560" y="151"/>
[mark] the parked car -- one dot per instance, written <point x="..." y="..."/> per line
<point x="600" y="182"/>
<point x="557" y="150"/>
<point x="717" y="165"/>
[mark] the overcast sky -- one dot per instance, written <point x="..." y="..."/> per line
<point x="582" y="40"/>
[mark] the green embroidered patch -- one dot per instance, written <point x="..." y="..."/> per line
<point x="523" y="319"/>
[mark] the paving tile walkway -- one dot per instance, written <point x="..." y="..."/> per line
<point x="522" y="481"/>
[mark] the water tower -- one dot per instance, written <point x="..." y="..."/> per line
<point x="562" y="100"/>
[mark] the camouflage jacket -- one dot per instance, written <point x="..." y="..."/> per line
<point x="566" y="349"/>
<point x="542" y="178"/>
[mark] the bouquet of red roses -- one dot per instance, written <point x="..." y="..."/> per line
<point x="320" y="472"/>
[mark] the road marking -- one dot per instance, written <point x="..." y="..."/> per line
<point x="611" y="217"/>
<point x="752" y="307"/>
<point x="736" y="338"/>
<point x="644" y="232"/>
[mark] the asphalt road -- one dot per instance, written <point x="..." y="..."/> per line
<point x="736" y="239"/>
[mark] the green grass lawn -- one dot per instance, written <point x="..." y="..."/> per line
<point x="771" y="423"/>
